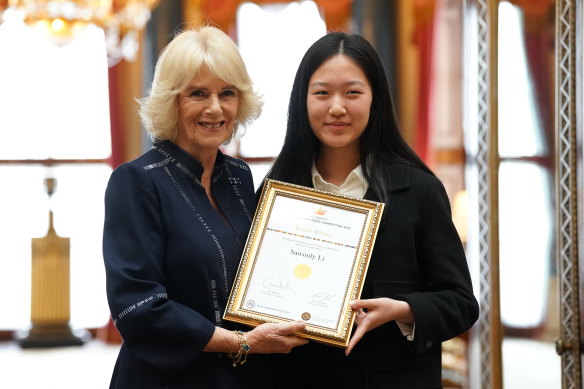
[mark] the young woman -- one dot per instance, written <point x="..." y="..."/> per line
<point x="343" y="137"/>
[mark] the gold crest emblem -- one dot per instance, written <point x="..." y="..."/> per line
<point x="320" y="211"/>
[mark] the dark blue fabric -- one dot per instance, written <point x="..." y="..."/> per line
<point x="170" y="261"/>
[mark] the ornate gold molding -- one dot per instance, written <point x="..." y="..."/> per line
<point x="568" y="344"/>
<point x="488" y="166"/>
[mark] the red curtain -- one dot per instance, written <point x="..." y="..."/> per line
<point x="423" y="38"/>
<point x="117" y="135"/>
<point x="539" y="47"/>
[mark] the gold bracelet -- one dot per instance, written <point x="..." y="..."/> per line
<point x="240" y="356"/>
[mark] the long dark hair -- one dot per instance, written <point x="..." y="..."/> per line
<point x="380" y="143"/>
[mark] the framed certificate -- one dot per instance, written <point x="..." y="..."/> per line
<point x="305" y="258"/>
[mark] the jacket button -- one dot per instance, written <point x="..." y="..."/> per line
<point x="429" y="344"/>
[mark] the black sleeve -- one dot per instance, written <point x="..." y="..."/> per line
<point x="157" y="330"/>
<point x="446" y="306"/>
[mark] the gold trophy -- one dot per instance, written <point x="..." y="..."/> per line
<point x="50" y="290"/>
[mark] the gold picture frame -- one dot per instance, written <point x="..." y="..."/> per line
<point x="305" y="258"/>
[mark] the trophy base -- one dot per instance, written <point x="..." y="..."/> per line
<point x="44" y="336"/>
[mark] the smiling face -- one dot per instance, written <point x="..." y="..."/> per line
<point x="207" y="112"/>
<point x="338" y="102"/>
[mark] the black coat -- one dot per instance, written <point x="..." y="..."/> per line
<point x="170" y="260"/>
<point x="418" y="257"/>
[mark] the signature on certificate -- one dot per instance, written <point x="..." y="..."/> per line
<point x="322" y="298"/>
<point x="274" y="284"/>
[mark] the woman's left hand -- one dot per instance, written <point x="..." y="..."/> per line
<point x="372" y="313"/>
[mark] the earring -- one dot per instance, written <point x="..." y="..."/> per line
<point x="233" y="132"/>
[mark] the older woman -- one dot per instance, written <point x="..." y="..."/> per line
<point x="176" y="221"/>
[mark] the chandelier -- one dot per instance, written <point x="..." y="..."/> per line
<point x="121" y="20"/>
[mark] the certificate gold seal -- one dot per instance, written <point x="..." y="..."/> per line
<point x="305" y="316"/>
<point x="302" y="271"/>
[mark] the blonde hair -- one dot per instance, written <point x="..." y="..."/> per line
<point x="179" y="63"/>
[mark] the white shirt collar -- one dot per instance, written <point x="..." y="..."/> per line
<point x="355" y="184"/>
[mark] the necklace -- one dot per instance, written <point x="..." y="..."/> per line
<point x="234" y="181"/>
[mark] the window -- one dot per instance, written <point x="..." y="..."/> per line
<point x="526" y="184"/>
<point x="54" y="121"/>
<point x="272" y="60"/>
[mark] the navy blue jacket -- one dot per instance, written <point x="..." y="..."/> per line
<point x="170" y="261"/>
<point x="418" y="257"/>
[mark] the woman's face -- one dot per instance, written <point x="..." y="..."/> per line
<point x="338" y="103"/>
<point x="207" y="112"/>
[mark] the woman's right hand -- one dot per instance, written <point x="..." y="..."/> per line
<point x="275" y="338"/>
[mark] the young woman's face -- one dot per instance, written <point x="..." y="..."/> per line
<point x="207" y="112"/>
<point x="338" y="103"/>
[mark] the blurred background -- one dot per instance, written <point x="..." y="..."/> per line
<point x="70" y="74"/>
